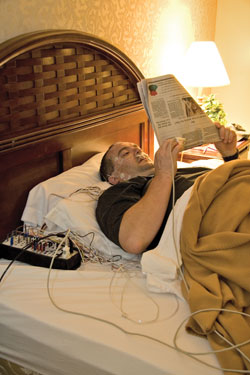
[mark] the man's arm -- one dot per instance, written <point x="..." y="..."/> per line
<point x="141" y="222"/>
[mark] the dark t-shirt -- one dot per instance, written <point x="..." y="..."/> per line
<point x="116" y="200"/>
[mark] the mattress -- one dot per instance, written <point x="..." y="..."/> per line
<point x="101" y="319"/>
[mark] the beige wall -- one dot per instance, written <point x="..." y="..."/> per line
<point x="233" y="40"/>
<point x="153" y="33"/>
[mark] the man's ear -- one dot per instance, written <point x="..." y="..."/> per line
<point x="113" y="180"/>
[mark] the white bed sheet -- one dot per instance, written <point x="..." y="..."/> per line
<point x="36" y="335"/>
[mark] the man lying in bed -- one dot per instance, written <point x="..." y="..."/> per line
<point x="133" y="212"/>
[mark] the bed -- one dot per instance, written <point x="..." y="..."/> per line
<point x="65" y="97"/>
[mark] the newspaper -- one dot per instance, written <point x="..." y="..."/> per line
<point x="173" y="112"/>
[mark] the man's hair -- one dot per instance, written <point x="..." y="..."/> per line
<point x="107" y="166"/>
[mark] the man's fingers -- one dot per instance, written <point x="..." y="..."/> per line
<point x="227" y="134"/>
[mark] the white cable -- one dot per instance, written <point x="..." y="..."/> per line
<point x="173" y="227"/>
<point x="234" y="346"/>
<point x="93" y="191"/>
<point x="121" y="308"/>
<point x="157" y="314"/>
<point x="214" y="351"/>
<point x="54" y="255"/>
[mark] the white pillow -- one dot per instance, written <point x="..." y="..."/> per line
<point x="55" y="203"/>
<point x="44" y="196"/>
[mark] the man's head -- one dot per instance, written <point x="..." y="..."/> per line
<point x="124" y="160"/>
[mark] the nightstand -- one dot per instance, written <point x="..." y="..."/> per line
<point x="209" y="152"/>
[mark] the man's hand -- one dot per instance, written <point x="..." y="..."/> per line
<point x="166" y="157"/>
<point x="228" y="143"/>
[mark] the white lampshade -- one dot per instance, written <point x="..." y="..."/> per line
<point x="203" y="66"/>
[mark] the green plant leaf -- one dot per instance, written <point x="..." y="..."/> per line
<point x="214" y="109"/>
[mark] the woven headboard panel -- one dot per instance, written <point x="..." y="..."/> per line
<point x="54" y="78"/>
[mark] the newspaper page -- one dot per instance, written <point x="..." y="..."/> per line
<point x="173" y="112"/>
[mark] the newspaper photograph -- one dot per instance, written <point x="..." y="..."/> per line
<point x="173" y="112"/>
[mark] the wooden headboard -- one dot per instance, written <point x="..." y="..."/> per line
<point x="64" y="96"/>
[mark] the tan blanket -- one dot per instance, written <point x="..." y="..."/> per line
<point x="215" y="246"/>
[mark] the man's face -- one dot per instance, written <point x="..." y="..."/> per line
<point x="129" y="161"/>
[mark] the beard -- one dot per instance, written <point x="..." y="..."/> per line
<point x="145" y="167"/>
<point x="142" y="165"/>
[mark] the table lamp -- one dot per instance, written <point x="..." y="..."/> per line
<point x="203" y="67"/>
